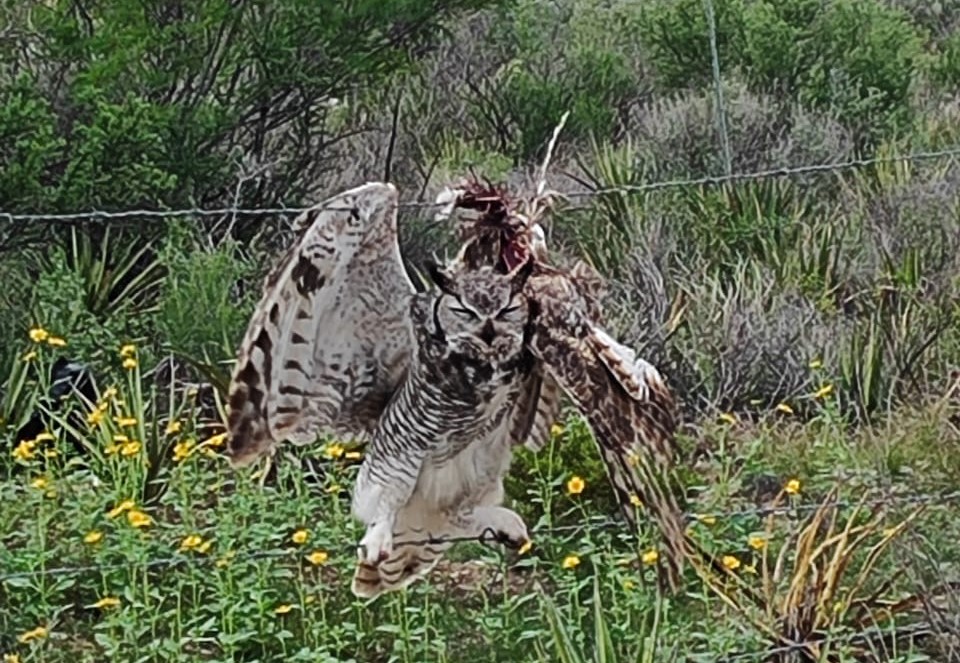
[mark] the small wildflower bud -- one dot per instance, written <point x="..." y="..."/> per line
<point x="33" y="634"/>
<point x="283" y="609"/>
<point x="650" y="557"/>
<point x="525" y="548"/>
<point x="56" y="342"/>
<point x="106" y="602"/>
<point x="93" y="537"/>
<point x="570" y="562"/>
<point x="129" y="363"/>
<point x="727" y="417"/>
<point x="792" y="487"/>
<point x="172" y="428"/>
<point x="823" y="391"/>
<point x="756" y="542"/>
<point x="783" y="407"/>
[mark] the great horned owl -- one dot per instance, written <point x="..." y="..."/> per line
<point x="435" y="465"/>
<point x="340" y="345"/>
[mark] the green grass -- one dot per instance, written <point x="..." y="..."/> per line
<point x="215" y="573"/>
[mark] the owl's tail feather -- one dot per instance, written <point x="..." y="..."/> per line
<point x="410" y="561"/>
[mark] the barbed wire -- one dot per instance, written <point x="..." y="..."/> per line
<point x="786" y="171"/>
<point x="488" y="536"/>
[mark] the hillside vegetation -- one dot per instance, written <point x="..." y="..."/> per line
<point x="806" y="317"/>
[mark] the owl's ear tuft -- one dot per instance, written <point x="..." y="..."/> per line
<point x="439" y="276"/>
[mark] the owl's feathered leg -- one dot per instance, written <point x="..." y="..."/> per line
<point x="380" y="493"/>
<point x="419" y="542"/>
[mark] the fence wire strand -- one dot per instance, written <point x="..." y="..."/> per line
<point x="863" y="638"/>
<point x="709" y="180"/>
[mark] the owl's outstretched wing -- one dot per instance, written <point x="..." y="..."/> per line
<point x="331" y="336"/>
<point x="624" y="400"/>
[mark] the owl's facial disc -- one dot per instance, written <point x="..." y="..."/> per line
<point x="481" y="313"/>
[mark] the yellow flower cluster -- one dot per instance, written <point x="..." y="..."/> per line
<point x="135" y="517"/>
<point x="128" y="353"/>
<point x="195" y="542"/>
<point x="38" y="335"/>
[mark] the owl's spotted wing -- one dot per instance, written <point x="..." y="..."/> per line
<point x="624" y="399"/>
<point x="330" y="338"/>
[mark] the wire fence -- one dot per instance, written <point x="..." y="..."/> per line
<point x="796" y="509"/>
<point x="709" y="180"/>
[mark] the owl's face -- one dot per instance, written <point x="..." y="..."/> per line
<point x="479" y="314"/>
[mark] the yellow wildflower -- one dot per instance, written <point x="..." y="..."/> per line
<point x="125" y="505"/>
<point x="650" y="557"/>
<point x="190" y="542"/>
<point x="216" y="440"/>
<point x="33" y="634"/>
<point x="111" y="449"/>
<point x="125" y="422"/>
<point x="628" y="585"/>
<point x="750" y="568"/>
<point x="121" y="439"/>
<point x="300" y="536"/>
<point x="30" y="356"/>
<point x="93" y="537"/>
<point x="353" y="455"/>
<point x="707" y="519"/>
<point x="173" y="427"/>
<point x="283" y="609"/>
<point x="111" y="392"/>
<point x="792" y="487"/>
<point x="38" y="334"/>
<point x="40" y="483"/>
<point x="525" y="548"/>
<point x="570" y="562"/>
<point x="50" y="453"/>
<point x="25" y="450"/>
<point x="633" y="459"/>
<point x="576" y="485"/>
<point x="128" y="350"/>
<point x="815" y="364"/>
<point x="95" y="417"/>
<point x="131" y="448"/>
<point x="556" y="430"/>
<point x="181" y="450"/>
<point x="317" y="557"/>
<point x="129" y="363"/>
<point x="786" y="409"/>
<point x="11" y="658"/>
<point x="56" y="341"/>
<point x="335" y="488"/>
<point x="823" y="391"/>
<point x="45" y="437"/>
<point x="333" y="450"/>
<point x="636" y="501"/>
<point x="757" y="542"/>
<point x="138" y="519"/>
<point x="728" y="418"/>
<point x="204" y="547"/>
<point x="730" y="562"/>
<point x="106" y="602"/>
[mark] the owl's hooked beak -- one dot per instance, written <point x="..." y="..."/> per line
<point x="487" y="333"/>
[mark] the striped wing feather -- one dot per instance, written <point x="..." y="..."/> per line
<point x="331" y="336"/>
<point x="624" y="400"/>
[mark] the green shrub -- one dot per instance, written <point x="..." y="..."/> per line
<point x="856" y="57"/>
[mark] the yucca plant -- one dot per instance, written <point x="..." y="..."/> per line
<point x="825" y="590"/>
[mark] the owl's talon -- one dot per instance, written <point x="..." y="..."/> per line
<point x="376" y="545"/>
